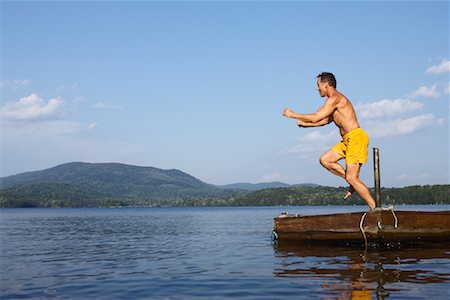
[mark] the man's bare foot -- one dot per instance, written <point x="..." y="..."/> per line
<point x="350" y="192"/>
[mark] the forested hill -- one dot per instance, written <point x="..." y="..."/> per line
<point x="102" y="184"/>
<point x="110" y="174"/>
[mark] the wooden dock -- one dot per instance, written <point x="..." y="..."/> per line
<point x="382" y="226"/>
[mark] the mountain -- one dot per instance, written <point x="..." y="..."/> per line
<point x="262" y="186"/>
<point x="95" y="184"/>
<point x="109" y="175"/>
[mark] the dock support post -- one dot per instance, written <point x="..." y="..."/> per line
<point x="376" y="167"/>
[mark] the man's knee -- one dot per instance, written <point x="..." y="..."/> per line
<point x="351" y="178"/>
<point x="322" y="160"/>
<point x="352" y="173"/>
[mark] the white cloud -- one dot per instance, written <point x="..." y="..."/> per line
<point x="318" y="137"/>
<point x="426" y="92"/>
<point x="14" y="84"/>
<point x="387" y="107"/>
<point x="80" y="99"/>
<point x="443" y="67"/>
<point x="36" y="131"/>
<point x="101" y="105"/>
<point x="314" y="142"/>
<point x="32" y="108"/>
<point x="447" y="88"/>
<point x="397" y="127"/>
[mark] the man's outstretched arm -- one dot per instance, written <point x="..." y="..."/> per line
<point x="322" y="113"/>
<point x="322" y="122"/>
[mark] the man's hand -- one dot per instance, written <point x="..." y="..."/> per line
<point x="287" y="112"/>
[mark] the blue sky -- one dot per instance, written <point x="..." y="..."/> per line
<point x="200" y="86"/>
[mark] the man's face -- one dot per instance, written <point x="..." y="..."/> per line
<point x="322" y="88"/>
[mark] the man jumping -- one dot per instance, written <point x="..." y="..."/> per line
<point x="355" y="141"/>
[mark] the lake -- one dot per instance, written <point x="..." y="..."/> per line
<point x="201" y="253"/>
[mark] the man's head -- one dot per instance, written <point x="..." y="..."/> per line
<point x="325" y="80"/>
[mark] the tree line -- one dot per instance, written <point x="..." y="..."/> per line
<point x="66" y="195"/>
<point x="427" y="194"/>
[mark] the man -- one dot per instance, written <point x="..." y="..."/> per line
<point x="353" y="147"/>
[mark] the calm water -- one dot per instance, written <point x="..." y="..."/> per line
<point x="199" y="253"/>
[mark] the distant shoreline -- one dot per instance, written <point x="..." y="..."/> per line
<point x="24" y="197"/>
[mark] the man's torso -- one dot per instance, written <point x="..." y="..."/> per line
<point x="344" y="114"/>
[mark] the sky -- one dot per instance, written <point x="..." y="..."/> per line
<point x="200" y="86"/>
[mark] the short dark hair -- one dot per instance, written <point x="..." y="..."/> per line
<point x="327" y="77"/>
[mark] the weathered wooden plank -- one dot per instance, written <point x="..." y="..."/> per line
<point x="380" y="226"/>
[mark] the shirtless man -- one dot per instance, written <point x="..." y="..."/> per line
<point x="353" y="147"/>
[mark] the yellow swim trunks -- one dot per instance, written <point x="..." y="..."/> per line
<point x="354" y="146"/>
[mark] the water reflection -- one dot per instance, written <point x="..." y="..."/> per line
<point x="349" y="273"/>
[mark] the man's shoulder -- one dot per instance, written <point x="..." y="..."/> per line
<point x="341" y="99"/>
<point x="337" y="98"/>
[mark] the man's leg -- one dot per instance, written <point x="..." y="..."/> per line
<point x="329" y="161"/>
<point x="352" y="177"/>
